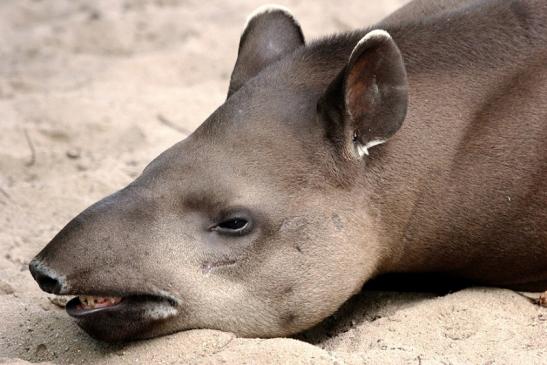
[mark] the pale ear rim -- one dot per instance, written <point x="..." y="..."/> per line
<point x="376" y="33"/>
<point x="270" y="8"/>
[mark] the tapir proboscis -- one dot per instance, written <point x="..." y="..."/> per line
<point x="416" y="145"/>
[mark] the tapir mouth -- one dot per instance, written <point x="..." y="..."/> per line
<point x="90" y="302"/>
<point x="146" y="305"/>
<point x="119" y="316"/>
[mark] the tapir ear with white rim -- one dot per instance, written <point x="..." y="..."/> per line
<point x="270" y="34"/>
<point x="366" y="104"/>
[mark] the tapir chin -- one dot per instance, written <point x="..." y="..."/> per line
<point x="416" y="145"/>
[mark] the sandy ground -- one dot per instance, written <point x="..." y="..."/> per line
<point x="92" y="91"/>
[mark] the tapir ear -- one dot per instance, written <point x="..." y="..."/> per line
<point x="366" y="104"/>
<point x="270" y="34"/>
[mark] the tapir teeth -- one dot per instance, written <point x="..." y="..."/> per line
<point x="90" y="302"/>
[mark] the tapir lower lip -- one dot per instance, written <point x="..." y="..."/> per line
<point x="134" y="317"/>
<point x="129" y="303"/>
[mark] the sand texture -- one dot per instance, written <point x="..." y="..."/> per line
<point x="90" y="92"/>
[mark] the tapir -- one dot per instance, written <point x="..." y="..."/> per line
<point x="418" y="144"/>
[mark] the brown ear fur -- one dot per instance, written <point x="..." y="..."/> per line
<point x="367" y="102"/>
<point x="271" y="33"/>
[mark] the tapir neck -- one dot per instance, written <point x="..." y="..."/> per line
<point x="460" y="175"/>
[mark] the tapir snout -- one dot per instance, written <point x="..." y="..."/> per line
<point x="96" y="256"/>
<point x="75" y="254"/>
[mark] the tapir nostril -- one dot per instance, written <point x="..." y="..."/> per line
<point x="44" y="277"/>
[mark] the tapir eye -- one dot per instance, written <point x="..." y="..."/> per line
<point x="233" y="226"/>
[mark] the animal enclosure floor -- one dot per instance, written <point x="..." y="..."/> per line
<point x="90" y="92"/>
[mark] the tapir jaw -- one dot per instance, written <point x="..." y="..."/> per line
<point x="128" y="317"/>
<point x="109" y="312"/>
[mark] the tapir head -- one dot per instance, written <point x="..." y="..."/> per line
<point x="260" y="222"/>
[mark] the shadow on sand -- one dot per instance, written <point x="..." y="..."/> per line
<point x="382" y="297"/>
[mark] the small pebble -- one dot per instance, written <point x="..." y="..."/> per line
<point x="73" y="153"/>
<point x="5" y="288"/>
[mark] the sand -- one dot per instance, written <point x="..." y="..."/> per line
<point x="90" y="92"/>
